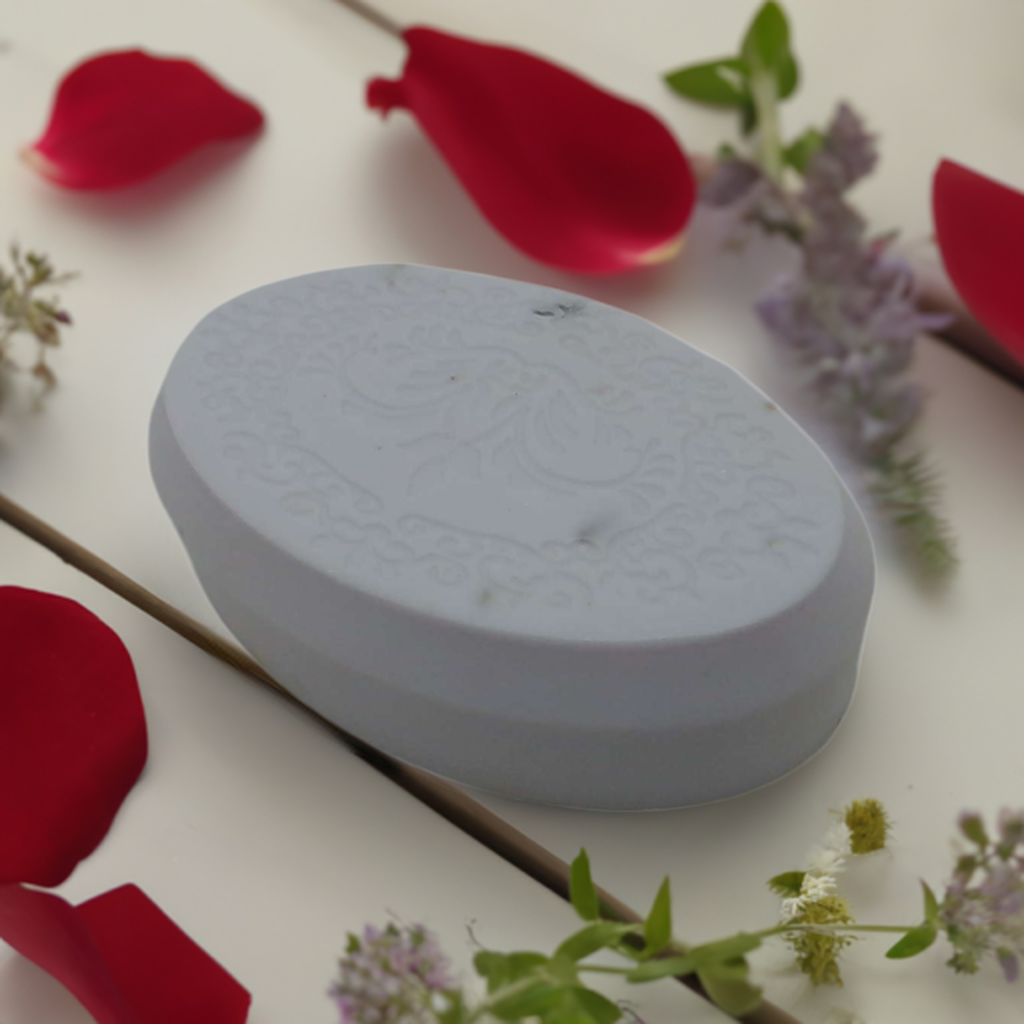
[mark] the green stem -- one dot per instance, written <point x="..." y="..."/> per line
<point x="769" y="133"/>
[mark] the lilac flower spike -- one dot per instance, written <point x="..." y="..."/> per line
<point x="983" y="908"/>
<point x="397" y="975"/>
<point x="848" y="312"/>
<point x="850" y="315"/>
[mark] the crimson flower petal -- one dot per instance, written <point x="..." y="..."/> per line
<point x="123" y="959"/>
<point x="122" y="117"/>
<point x="569" y="173"/>
<point x="48" y="931"/>
<point x="979" y="225"/>
<point x="72" y="734"/>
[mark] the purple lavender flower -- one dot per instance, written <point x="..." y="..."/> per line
<point x="983" y="908"/>
<point x="394" y="976"/>
<point x="732" y="180"/>
<point x="847" y="154"/>
<point x="850" y="315"/>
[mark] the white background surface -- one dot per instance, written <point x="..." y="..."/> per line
<point x="255" y="830"/>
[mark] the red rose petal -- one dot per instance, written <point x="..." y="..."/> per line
<point x="569" y="173"/>
<point x="163" y="974"/>
<point x="122" y="957"/>
<point x="979" y="224"/>
<point x="122" y="117"/>
<point x="48" y="931"/>
<point x="72" y="734"/>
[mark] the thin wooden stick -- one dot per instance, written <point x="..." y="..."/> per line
<point x="452" y="803"/>
<point x="375" y="17"/>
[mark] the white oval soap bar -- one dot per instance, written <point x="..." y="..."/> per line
<point x="516" y="537"/>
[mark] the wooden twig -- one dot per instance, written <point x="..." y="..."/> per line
<point x="375" y="17"/>
<point x="452" y="803"/>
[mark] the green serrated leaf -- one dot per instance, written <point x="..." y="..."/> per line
<point x="527" y="1001"/>
<point x="931" y="906"/>
<point x="798" y="152"/>
<point x="593" y="937"/>
<point x="582" y="893"/>
<point x="670" y="967"/>
<point x="658" y="926"/>
<point x="766" y="44"/>
<point x="788" y="883"/>
<point x="917" y="940"/>
<point x="727" y="985"/>
<point x="720" y="83"/>
<point x="725" y="950"/>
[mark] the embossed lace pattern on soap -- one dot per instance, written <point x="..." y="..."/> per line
<point x="604" y="467"/>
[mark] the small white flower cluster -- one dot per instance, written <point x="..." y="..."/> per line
<point x="824" y="863"/>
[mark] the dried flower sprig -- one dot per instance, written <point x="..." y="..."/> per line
<point x="849" y="313"/>
<point x="400" y="976"/>
<point x="23" y="311"/>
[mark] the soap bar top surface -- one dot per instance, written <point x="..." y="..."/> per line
<point x="504" y="456"/>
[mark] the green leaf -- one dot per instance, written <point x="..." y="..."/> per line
<point x="721" y="83"/>
<point x="917" y="940"/>
<point x="528" y="1001"/>
<point x="766" y="44"/>
<point x="562" y="971"/>
<point x="798" y="152"/>
<point x="787" y="77"/>
<point x="593" y="937"/>
<point x="597" y="1008"/>
<point x="582" y="893"/>
<point x="501" y="969"/>
<point x="456" y="1013"/>
<point x="788" y="883"/>
<point x="669" y="967"/>
<point x="494" y="967"/>
<point x="520" y="964"/>
<point x="973" y="828"/>
<point x="931" y="906"/>
<point x="966" y="865"/>
<point x="727" y="950"/>
<point x="658" y="926"/>
<point x="727" y="985"/>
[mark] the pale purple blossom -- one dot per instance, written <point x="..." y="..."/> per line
<point x="983" y="908"/>
<point x="397" y="975"/>
<point x="850" y="313"/>
<point x="732" y="180"/>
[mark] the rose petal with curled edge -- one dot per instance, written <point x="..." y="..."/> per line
<point x="122" y="117"/>
<point x="72" y="734"/>
<point x="122" y="957"/>
<point x="570" y="174"/>
<point x="47" y="930"/>
<point x="979" y="225"/>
